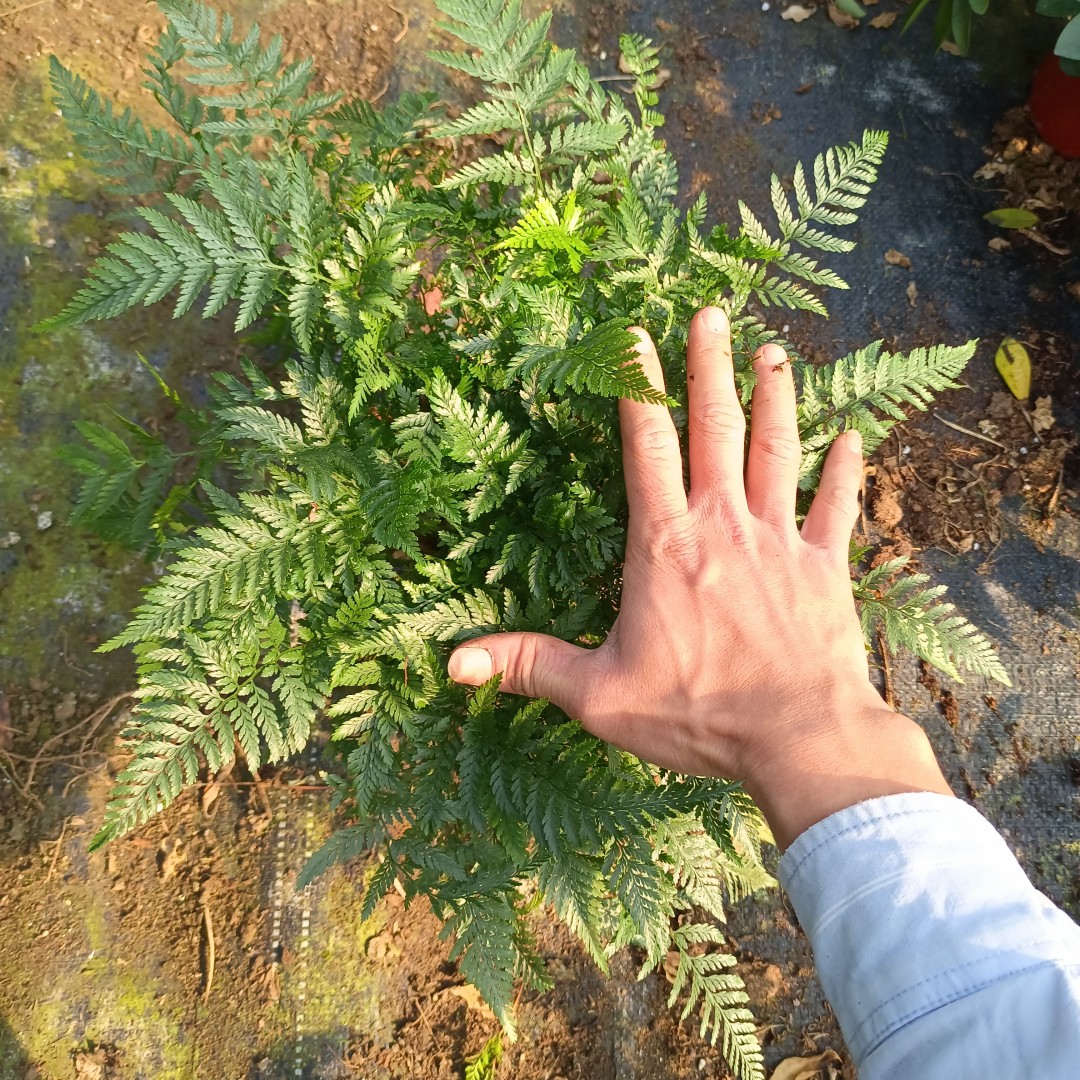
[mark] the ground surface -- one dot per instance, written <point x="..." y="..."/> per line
<point x="184" y="951"/>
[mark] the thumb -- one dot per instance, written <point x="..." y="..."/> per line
<point x="535" y="665"/>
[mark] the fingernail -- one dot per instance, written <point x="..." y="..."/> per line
<point x="771" y="356"/>
<point x="471" y="665"/>
<point x="714" y="320"/>
<point x="854" y="441"/>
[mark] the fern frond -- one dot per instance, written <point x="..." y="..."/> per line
<point x="721" y="997"/>
<point x="913" y="616"/>
<point x="867" y="390"/>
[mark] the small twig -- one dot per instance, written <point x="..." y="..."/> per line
<point x="614" y="78"/>
<point x="260" y="787"/>
<point x="968" y="431"/>
<point x="1051" y="506"/>
<point x="890" y="697"/>
<point x="24" y="7"/>
<point x="209" y="925"/>
<point x="59" y="842"/>
<point x="386" y="86"/>
<point x="400" y="35"/>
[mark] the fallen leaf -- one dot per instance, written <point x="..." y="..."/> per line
<point x="1054" y="249"/>
<point x="950" y="47"/>
<point x="805" y="88"/>
<point x="884" y="20"/>
<point x="1014" y="366"/>
<point x="560" y="971"/>
<point x="1042" y="418"/>
<point x="1073" y="289"/>
<point x="671" y="964"/>
<point x="998" y="243"/>
<point x="805" y="1068"/>
<point x="471" y="996"/>
<point x="662" y="76"/>
<point x="772" y="113"/>
<point x="171" y="856"/>
<point x="841" y="18"/>
<point x="912" y="293"/>
<point x="897" y="258"/>
<point x="797" y="13"/>
<point x="989" y="428"/>
<point x="209" y="795"/>
<point x="1009" y="217"/>
<point x="992" y="169"/>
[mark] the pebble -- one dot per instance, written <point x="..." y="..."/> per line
<point x="44" y="520"/>
<point x="9" y="540"/>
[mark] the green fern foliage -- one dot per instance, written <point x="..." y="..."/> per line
<point x="410" y="474"/>
<point x="910" y="612"/>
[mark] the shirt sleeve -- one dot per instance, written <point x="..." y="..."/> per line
<point x="939" y="957"/>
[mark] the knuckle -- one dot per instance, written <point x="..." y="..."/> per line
<point x="839" y="499"/>
<point x="779" y="444"/>
<point x="720" y="420"/>
<point x="652" y="440"/>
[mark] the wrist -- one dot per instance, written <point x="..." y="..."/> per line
<point x="848" y="755"/>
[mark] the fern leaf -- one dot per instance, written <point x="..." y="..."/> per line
<point x="719" y="993"/>
<point x="912" y="615"/>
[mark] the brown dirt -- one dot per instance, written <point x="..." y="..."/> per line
<point x="352" y="41"/>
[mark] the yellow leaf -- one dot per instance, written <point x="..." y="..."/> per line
<point x="805" y="1068"/>
<point x="471" y="996"/>
<point x="797" y="13"/>
<point x="1014" y="365"/>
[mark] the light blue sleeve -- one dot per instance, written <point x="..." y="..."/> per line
<point x="939" y="957"/>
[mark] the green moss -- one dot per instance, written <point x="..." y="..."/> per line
<point x="108" y="999"/>
<point x="63" y="591"/>
<point x="344" y="988"/>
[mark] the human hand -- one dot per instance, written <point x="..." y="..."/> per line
<point x="737" y="651"/>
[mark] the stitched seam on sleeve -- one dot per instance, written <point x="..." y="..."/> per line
<point x="952" y="995"/>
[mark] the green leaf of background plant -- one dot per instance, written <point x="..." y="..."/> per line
<point x="1058" y="9"/>
<point x="961" y="25"/>
<point x="979" y="6"/>
<point x="1012" y="218"/>
<point x="1068" y="44"/>
<point x="852" y="7"/>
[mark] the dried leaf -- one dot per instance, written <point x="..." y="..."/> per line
<point x="671" y="964"/>
<point x="897" y="258"/>
<point x="1042" y="418"/>
<point x="170" y="856"/>
<point x="471" y="996"/>
<point x="1012" y="218"/>
<point x="998" y="243"/>
<point x="797" y="13"/>
<point x="912" y="292"/>
<point x="992" y="169"/>
<point x="1073" y="289"/>
<point x="805" y="1068"/>
<point x="1014" y="366"/>
<point x="884" y="20"/>
<point x="951" y="48"/>
<point x="209" y="795"/>
<point x="841" y="18"/>
<point x="1054" y="249"/>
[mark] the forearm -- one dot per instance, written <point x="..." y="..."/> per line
<point x="939" y="957"/>
<point x="834" y="757"/>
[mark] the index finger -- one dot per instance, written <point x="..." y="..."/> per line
<point x="652" y="464"/>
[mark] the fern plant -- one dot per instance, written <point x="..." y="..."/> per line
<point x="407" y="480"/>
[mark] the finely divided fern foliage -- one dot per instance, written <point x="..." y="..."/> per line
<point x="414" y="474"/>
